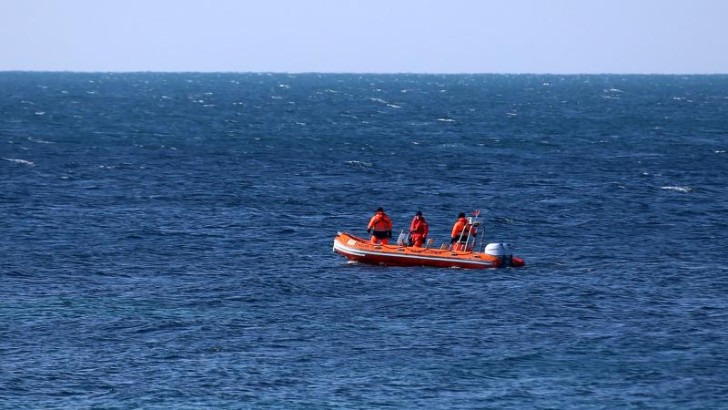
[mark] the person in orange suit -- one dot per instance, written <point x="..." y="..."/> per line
<point x="380" y="226"/>
<point x="418" y="230"/>
<point x="461" y="231"/>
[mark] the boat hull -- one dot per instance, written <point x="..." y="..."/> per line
<point x="360" y="250"/>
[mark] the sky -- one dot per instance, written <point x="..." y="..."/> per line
<point x="366" y="36"/>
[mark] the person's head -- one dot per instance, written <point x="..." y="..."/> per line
<point x="461" y="215"/>
<point x="380" y="209"/>
<point x="419" y="214"/>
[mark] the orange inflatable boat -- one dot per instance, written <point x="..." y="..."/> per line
<point x="494" y="255"/>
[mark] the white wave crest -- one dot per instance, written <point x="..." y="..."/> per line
<point x="20" y="161"/>
<point x="40" y="141"/>
<point x="359" y="164"/>
<point x="677" y="188"/>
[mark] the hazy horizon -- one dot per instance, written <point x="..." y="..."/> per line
<point x="559" y="37"/>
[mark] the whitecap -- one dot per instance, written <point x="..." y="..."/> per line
<point x="677" y="188"/>
<point x="20" y="161"/>
<point x="40" y="141"/>
<point x="359" y="164"/>
<point x="446" y="120"/>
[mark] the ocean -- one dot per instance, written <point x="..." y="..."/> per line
<point x="167" y="241"/>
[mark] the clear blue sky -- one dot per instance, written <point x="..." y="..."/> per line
<point x="378" y="36"/>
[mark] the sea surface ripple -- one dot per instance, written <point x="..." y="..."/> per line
<point x="166" y="241"/>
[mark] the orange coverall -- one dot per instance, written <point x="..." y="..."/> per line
<point x="381" y="227"/>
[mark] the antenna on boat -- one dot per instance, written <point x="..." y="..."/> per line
<point x="474" y="223"/>
<point x="477" y="230"/>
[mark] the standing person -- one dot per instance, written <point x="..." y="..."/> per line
<point x="418" y="230"/>
<point x="461" y="232"/>
<point x="380" y="226"/>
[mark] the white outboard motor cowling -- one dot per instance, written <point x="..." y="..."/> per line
<point x="502" y="251"/>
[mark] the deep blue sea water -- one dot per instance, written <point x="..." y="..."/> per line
<point x="166" y="241"/>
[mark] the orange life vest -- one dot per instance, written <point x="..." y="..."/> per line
<point x="462" y="230"/>
<point x="380" y="222"/>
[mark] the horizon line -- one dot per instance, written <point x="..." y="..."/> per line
<point x="357" y="72"/>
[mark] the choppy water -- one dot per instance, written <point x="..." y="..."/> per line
<point x="166" y="241"/>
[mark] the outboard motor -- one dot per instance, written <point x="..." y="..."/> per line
<point x="502" y="251"/>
